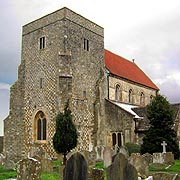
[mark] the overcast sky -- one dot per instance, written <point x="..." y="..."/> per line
<point x="145" y="30"/>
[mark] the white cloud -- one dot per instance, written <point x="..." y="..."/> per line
<point x="4" y="86"/>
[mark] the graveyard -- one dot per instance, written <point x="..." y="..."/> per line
<point x="114" y="165"/>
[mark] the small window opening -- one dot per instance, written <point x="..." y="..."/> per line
<point x="130" y="96"/>
<point x="41" y="83"/>
<point x="42" y="43"/>
<point x="86" y="44"/>
<point x="84" y="94"/>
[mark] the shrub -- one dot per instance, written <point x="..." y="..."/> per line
<point x="132" y="148"/>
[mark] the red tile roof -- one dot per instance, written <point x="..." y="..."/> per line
<point x="120" y="66"/>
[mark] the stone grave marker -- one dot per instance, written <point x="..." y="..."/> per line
<point x="124" y="151"/>
<point x="164" y="176"/>
<point x="120" y="169"/>
<point x="9" y="164"/>
<point x="99" y="153"/>
<point x="148" y="157"/>
<point x="29" y="169"/>
<point x="96" y="174"/>
<point x="47" y="164"/>
<point x="76" y="167"/>
<point x="169" y="158"/>
<point x="164" y="144"/>
<point x="2" y="159"/>
<point x="107" y="156"/>
<point x="141" y="164"/>
<point x="89" y="156"/>
<point x="163" y="158"/>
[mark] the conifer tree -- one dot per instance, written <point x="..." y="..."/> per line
<point x="65" y="137"/>
<point x="160" y="115"/>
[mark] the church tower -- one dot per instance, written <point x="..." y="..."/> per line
<point x="62" y="59"/>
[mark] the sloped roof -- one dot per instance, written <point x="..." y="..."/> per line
<point x="124" y="68"/>
<point x="128" y="108"/>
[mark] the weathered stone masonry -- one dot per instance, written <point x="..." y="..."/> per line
<point x="62" y="70"/>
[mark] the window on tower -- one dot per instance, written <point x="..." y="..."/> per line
<point x="42" y="42"/>
<point x="86" y="44"/>
<point x="40" y="127"/>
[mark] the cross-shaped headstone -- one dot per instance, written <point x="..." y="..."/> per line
<point x="164" y="144"/>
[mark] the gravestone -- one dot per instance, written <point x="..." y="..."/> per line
<point x="2" y="159"/>
<point x="76" y="168"/>
<point x="47" y="164"/>
<point x="124" y="151"/>
<point x="169" y="158"/>
<point x="163" y="158"/>
<point x="164" y="176"/>
<point x="99" y="153"/>
<point x="164" y="144"/>
<point x="96" y="174"/>
<point x="107" y="156"/>
<point x="9" y="164"/>
<point x="148" y="157"/>
<point x="121" y="169"/>
<point x="89" y="156"/>
<point x="29" y="169"/>
<point x="158" y="158"/>
<point x="141" y="164"/>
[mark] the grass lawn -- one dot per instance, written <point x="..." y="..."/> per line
<point x="6" y="174"/>
<point x="172" y="169"/>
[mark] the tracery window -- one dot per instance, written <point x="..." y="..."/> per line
<point x="40" y="126"/>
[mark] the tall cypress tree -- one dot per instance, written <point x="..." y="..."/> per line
<point x="65" y="137"/>
<point x="160" y="115"/>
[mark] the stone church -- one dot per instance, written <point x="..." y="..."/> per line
<point x="63" y="58"/>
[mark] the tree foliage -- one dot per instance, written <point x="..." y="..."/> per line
<point x="160" y="115"/>
<point x="65" y="137"/>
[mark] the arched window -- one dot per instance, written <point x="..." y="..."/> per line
<point x="113" y="139"/>
<point x="116" y="139"/>
<point x="40" y="126"/>
<point x="117" y="92"/>
<point x="130" y="96"/>
<point x="151" y="98"/>
<point x="142" y="99"/>
<point x="119" y="140"/>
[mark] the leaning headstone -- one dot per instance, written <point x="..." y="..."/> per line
<point x="89" y="156"/>
<point x="141" y="165"/>
<point x="29" y="168"/>
<point x="76" y="167"/>
<point x="121" y="169"/>
<point x="9" y="164"/>
<point x="164" y="176"/>
<point x="169" y="158"/>
<point x="47" y="164"/>
<point x="107" y="156"/>
<point x="124" y="151"/>
<point x="148" y="157"/>
<point x="2" y="159"/>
